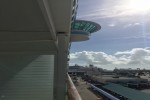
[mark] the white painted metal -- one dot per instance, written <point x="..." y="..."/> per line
<point x="44" y="5"/>
<point x="28" y="46"/>
<point x="78" y="37"/>
<point x="32" y="82"/>
<point x="28" y="27"/>
<point x="24" y="35"/>
<point x="60" y="92"/>
<point x="61" y="11"/>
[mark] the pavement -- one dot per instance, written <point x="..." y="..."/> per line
<point x="146" y="91"/>
<point x="84" y="92"/>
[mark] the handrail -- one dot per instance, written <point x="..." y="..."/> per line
<point x="111" y="97"/>
<point x="72" y="91"/>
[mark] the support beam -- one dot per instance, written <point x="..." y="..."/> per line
<point x="60" y="68"/>
<point x="30" y="46"/>
<point x="24" y="35"/>
<point x="44" y="5"/>
<point x="28" y="52"/>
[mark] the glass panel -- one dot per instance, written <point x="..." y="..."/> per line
<point x="89" y="27"/>
<point x="86" y="26"/>
<point x="93" y="29"/>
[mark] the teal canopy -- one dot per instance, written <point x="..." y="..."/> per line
<point x="86" y="26"/>
<point x="127" y="92"/>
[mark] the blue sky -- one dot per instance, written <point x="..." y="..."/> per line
<point x="125" y="28"/>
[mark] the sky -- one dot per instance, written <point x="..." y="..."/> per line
<point x="124" y="39"/>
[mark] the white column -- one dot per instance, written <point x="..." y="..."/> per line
<point x="61" y="68"/>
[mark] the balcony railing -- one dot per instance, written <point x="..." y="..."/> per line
<point x="72" y="91"/>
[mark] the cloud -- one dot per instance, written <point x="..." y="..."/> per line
<point x="136" y="24"/>
<point x="111" y="25"/>
<point x="131" y="25"/>
<point x="136" y="56"/>
<point x="122" y="53"/>
<point x="91" y="57"/>
<point x="139" y="56"/>
<point x="110" y="9"/>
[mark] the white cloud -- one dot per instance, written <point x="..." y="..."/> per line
<point x="112" y="9"/>
<point x="136" y="24"/>
<point x="136" y="56"/>
<point x="91" y="57"/>
<point x="122" y="53"/>
<point x="131" y="25"/>
<point x="128" y="25"/>
<point x="139" y="56"/>
<point x="111" y="25"/>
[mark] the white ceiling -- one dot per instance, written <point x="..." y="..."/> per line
<point x="31" y="25"/>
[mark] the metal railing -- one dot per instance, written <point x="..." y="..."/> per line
<point x="72" y="91"/>
<point x="111" y="97"/>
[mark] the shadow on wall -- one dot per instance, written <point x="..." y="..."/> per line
<point x="11" y="64"/>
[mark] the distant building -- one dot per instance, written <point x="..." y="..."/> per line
<point x="76" y="70"/>
<point x="91" y="70"/>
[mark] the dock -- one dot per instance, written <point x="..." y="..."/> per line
<point x="84" y="92"/>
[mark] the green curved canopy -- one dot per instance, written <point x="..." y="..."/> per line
<point x="87" y="26"/>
